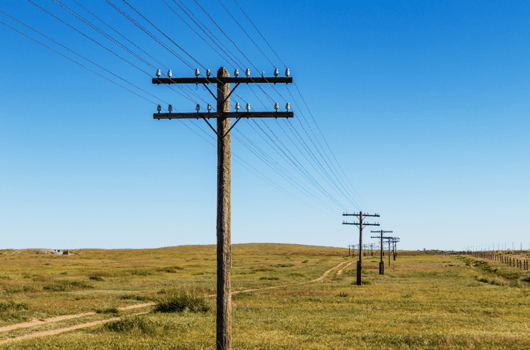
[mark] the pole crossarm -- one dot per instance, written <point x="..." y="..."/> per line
<point x="216" y="115"/>
<point x="224" y="80"/>
<point x="358" y="223"/>
<point x="363" y="214"/>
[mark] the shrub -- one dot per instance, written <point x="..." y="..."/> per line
<point x="132" y="325"/>
<point x="343" y="294"/>
<point x="61" y="286"/>
<point x="283" y="265"/>
<point x="134" y="297"/>
<point x="30" y="288"/>
<point x="108" y="310"/>
<point x="96" y="278"/>
<point x="297" y="274"/>
<point x="170" y="269"/>
<point x="12" y="289"/>
<point x="269" y="278"/>
<point x="6" y="306"/>
<point x="180" y="301"/>
<point x="141" y="272"/>
<point x="305" y="261"/>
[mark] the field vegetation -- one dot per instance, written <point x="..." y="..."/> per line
<point x="424" y="301"/>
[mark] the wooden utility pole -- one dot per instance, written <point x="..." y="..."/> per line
<point x="224" y="158"/>
<point x="381" y="263"/>
<point x="224" y="247"/>
<point x="361" y="224"/>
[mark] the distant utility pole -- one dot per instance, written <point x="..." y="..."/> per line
<point x="381" y="263"/>
<point x="391" y="241"/>
<point x="361" y="224"/>
<point x="395" y="240"/>
<point x="224" y="170"/>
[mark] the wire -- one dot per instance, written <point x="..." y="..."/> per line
<point x="74" y="61"/>
<point x="259" y="33"/>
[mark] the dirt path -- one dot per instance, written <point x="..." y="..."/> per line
<point x="34" y="323"/>
<point x="339" y="273"/>
<point x="324" y="275"/>
<point x="66" y="329"/>
<point x="130" y="307"/>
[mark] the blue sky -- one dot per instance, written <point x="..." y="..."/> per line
<point x="424" y="105"/>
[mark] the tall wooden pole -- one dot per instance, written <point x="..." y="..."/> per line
<point x="224" y="160"/>
<point x="381" y="264"/>
<point x="360" y="262"/>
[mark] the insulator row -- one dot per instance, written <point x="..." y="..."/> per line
<point x="209" y="107"/>
<point x="236" y="73"/>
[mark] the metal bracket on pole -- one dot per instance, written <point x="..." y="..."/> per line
<point x="238" y="119"/>
<point x="227" y="97"/>
<point x="209" y="90"/>
<point x="210" y="125"/>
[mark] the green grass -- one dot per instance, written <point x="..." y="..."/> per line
<point x="181" y="301"/>
<point x="423" y="301"/>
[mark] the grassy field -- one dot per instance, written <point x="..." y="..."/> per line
<point x="422" y="301"/>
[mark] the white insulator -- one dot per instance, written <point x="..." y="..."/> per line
<point x="237" y="106"/>
<point x="169" y="73"/>
<point x="276" y="72"/>
<point x="158" y="73"/>
<point x="248" y="107"/>
<point x="236" y="73"/>
<point x="159" y="108"/>
<point x="198" y="108"/>
<point x="207" y="73"/>
<point x="287" y="72"/>
<point x="276" y="106"/>
<point x="247" y="72"/>
<point x="170" y="108"/>
<point x="197" y="73"/>
<point x="287" y="106"/>
<point x="209" y="107"/>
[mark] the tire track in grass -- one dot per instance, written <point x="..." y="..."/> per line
<point x="67" y="329"/>
<point x="94" y="323"/>
<point x="339" y="273"/>
<point x="34" y="323"/>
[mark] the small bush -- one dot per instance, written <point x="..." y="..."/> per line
<point x="297" y="274"/>
<point x="305" y="261"/>
<point x="170" y="269"/>
<point x="181" y="301"/>
<point x="134" y="297"/>
<point x="61" y="286"/>
<point x="30" y="288"/>
<point x="132" y="325"/>
<point x="12" y="289"/>
<point x="343" y="294"/>
<point x="141" y="272"/>
<point x="269" y="278"/>
<point x="108" y="310"/>
<point x="6" y="306"/>
<point x="263" y="269"/>
<point x="96" y="278"/>
<point x="283" y="265"/>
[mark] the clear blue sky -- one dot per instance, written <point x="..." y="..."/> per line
<point x="425" y="106"/>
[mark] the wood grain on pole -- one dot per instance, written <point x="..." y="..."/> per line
<point x="224" y="159"/>
<point x="360" y="262"/>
